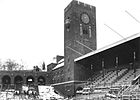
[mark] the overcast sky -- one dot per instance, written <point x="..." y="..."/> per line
<point x="33" y="30"/>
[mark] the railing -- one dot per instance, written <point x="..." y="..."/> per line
<point x="129" y="89"/>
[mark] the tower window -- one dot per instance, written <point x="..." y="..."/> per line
<point x="67" y="23"/>
<point x="67" y="20"/>
<point x="81" y="32"/>
<point x="89" y="31"/>
<point x="68" y="27"/>
<point x="85" y="31"/>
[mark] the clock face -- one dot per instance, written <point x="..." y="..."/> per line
<point x="85" y="18"/>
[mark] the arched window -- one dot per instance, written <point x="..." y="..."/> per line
<point x="18" y="81"/>
<point x="41" y="80"/>
<point x="6" y="81"/>
<point x="30" y="80"/>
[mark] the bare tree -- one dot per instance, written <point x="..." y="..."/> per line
<point x="11" y="65"/>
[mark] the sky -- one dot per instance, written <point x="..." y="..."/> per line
<point x="32" y="31"/>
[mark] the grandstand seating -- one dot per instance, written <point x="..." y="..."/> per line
<point x="137" y="71"/>
<point x="109" y="76"/>
<point x="120" y="80"/>
<point x="126" y="79"/>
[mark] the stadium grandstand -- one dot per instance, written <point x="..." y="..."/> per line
<point x="115" y="71"/>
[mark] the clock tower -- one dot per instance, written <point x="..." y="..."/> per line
<point x="79" y="29"/>
<point x="79" y="39"/>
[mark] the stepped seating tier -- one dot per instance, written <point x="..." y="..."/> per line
<point x="107" y="78"/>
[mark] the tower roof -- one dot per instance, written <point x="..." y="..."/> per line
<point x="75" y="2"/>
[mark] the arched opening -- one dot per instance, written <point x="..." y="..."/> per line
<point x="79" y="88"/>
<point x="18" y="81"/>
<point x="41" y="80"/>
<point x="30" y="80"/>
<point x="6" y="81"/>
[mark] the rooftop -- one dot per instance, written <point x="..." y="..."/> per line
<point x="109" y="46"/>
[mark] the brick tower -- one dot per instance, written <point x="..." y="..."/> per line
<point x="79" y="39"/>
<point x="79" y="29"/>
